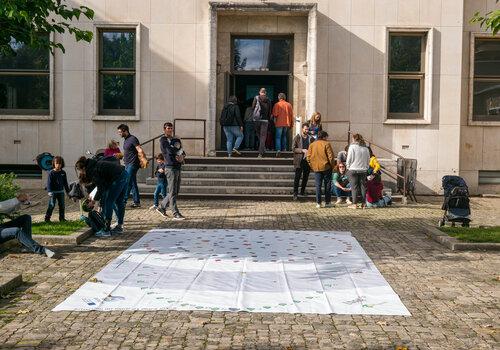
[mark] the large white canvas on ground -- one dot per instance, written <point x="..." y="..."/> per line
<point x="241" y="270"/>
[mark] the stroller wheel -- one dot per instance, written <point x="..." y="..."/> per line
<point x="465" y="224"/>
<point x="441" y="223"/>
<point x="452" y="224"/>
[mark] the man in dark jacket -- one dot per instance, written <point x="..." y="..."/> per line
<point x="263" y="105"/>
<point x="301" y="143"/>
<point x="171" y="148"/>
<point x="232" y="124"/>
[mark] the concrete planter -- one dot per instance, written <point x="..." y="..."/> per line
<point x="455" y="244"/>
<point x="72" y="239"/>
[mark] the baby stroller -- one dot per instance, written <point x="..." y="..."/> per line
<point x="456" y="201"/>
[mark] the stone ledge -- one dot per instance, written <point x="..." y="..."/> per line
<point x="73" y="239"/>
<point x="454" y="244"/>
<point x="9" y="282"/>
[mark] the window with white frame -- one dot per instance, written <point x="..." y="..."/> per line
<point x="25" y="80"/>
<point x="406" y="76"/>
<point x="117" y="71"/>
<point x="486" y="80"/>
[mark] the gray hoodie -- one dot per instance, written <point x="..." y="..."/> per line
<point x="358" y="157"/>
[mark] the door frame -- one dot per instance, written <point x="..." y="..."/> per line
<point x="217" y="7"/>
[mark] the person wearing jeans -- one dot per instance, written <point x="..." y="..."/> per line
<point x="262" y="105"/>
<point x="132" y="152"/>
<point x="171" y="148"/>
<point x="231" y="122"/>
<point x="340" y="184"/>
<point x="20" y="227"/>
<point x="232" y="133"/>
<point x="300" y="145"/>
<point x="111" y="181"/>
<point x="357" y="163"/>
<point x="320" y="178"/>
<point x="283" y="117"/>
<point x="321" y="160"/>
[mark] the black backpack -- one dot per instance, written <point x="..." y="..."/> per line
<point x="226" y="117"/>
<point x="95" y="221"/>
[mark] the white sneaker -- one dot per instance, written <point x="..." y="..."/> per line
<point x="50" y="254"/>
<point x="339" y="201"/>
<point x="318" y="205"/>
<point x="153" y="207"/>
<point x="348" y="201"/>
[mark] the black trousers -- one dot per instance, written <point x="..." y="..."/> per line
<point x="303" y="171"/>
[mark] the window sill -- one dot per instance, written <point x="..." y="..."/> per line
<point x="116" y="117"/>
<point x="26" y="117"/>
<point x="407" y="122"/>
<point x="484" y="123"/>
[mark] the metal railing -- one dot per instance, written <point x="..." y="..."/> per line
<point x="153" y="143"/>
<point x="405" y="189"/>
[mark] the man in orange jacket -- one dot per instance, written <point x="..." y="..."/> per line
<point x="283" y="120"/>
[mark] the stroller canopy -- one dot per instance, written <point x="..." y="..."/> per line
<point x="451" y="181"/>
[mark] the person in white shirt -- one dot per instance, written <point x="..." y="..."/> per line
<point x="357" y="164"/>
<point x="20" y="227"/>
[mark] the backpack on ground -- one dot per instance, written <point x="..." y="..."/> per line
<point x="95" y="221"/>
<point x="225" y="116"/>
<point x="256" y="113"/>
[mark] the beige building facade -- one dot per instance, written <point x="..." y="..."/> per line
<point x="413" y="76"/>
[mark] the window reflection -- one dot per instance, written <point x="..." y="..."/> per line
<point x="261" y="54"/>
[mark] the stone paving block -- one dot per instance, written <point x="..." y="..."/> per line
<point x="452" y="295"/>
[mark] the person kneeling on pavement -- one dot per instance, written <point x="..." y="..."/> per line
<point x="20" y="227"/>
<point x="111" y="181"/>
<point x="374" y="195"/>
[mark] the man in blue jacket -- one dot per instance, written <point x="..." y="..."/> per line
<point x="171" y="148"/>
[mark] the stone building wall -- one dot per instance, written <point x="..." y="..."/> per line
<point x="351" y="74"/>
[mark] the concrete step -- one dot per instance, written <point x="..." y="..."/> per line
<point x="241" y="182"/>
<point x="254" y="154"/>
<point x="267" y="160"/>
<point x="240" y="190"/>
<point x="238" y="168"/>
<point x="243" y="176"/>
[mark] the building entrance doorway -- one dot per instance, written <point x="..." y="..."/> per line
<point x="259" y="62"/>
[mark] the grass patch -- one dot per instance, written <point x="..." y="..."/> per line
<point x="474" y="234"/>
<point x="57" y="228"/>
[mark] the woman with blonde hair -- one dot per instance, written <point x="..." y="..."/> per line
<point x="315" y="125"/>
<point x="357" y="163"/>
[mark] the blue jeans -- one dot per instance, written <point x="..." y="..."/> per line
<point x="115" y="196"/>
<point x="280" y="140"/>
<point x="59" y="198"/>
<point x="161" y="187"/>
<point x="233" y="132"/>
<point x="380" y="204"/>
<point x="340" y="193"/>
<point x="132" y="170"/>
<point x="320" y="178"/>
<point x="249" y="135"/>
<point x="20" y="228"/>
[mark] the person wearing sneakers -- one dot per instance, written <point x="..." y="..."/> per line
<point x="321" y="160"/>
<point x="20" y="227"/>
<point x="261" y="107"/>
<point x="357" y="164"/>
<point x="161" y="181"/>
<point x="132" y="152"/>
<point x="300" y="145"/>
<point x="171" y="148"/>
<point x="232" y="124"/>
<point x="341" y="187"/>
<point x="283" y="120"/>
<point x="111" y="181"/>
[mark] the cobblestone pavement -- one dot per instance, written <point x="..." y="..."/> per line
<point x="452" y="296"/>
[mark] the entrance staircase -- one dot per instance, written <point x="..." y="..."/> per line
<point x="245" y="177"/>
